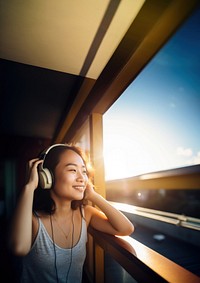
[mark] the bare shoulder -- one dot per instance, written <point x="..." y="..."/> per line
<point x="91" y="211"/>
<point x="35" y="222"/>
<point x="88" y="212"/>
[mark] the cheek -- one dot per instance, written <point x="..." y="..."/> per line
<point x="86" y="179"/>
<point x="63" y="179"/>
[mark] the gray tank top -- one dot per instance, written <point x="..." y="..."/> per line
<point x="38" y="266"/>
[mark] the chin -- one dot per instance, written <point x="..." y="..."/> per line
<point x="79" y="196"/>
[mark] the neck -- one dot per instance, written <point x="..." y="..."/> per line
<point x="63" y="206"/>
<point x="63" y="211"/>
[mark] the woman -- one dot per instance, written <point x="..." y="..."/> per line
<point x="49" y="227"/>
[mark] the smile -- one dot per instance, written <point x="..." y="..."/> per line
<point x="79" y="188"/>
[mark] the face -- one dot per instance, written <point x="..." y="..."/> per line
<point x="70" y="176"/>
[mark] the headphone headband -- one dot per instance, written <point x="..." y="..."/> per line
<point x="45" y="152"/>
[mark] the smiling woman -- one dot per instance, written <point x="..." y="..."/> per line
<point x="49" y="226"/>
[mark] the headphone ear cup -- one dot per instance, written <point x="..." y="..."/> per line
<point x="45" y="178"/>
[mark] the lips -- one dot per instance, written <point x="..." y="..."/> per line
<point x="81" y="189"/>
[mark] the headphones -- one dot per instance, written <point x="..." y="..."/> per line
<point x="45" y="176"/>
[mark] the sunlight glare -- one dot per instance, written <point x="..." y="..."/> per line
<point x="132" y="149"/>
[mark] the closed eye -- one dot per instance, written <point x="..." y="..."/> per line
<point x="72" y="170"/>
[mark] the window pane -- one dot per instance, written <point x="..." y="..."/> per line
<point x="155" y="124"/>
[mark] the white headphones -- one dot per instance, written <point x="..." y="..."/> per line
<point x="45" y="176"/>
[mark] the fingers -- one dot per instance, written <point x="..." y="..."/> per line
<point x="31" y="169"/>
<point x="90" y="190"/>
<point x="34" y="162"/>
<point x="90" y="186"/>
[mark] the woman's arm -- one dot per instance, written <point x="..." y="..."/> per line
<point x="111" y="221"/>
<point x="20" y="238"/>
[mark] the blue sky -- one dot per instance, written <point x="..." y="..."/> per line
<point x="155" y="124"/>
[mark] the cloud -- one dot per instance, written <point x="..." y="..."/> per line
<point x="191" y="158"/>
<point x="195" y="159"/>
<point x="187" y="152"/>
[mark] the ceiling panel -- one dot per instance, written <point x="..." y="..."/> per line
<point x="64" y="35"/>
<point x="47" y="49"/>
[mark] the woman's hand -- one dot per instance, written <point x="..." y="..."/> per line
<point x="107" y="218"/>
<point x="32" y="172"/>
<point x="89" y="192"/>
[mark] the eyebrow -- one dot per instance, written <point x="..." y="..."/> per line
<point x="73" y="164"/>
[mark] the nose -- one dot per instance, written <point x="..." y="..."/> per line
<point x="80" y="176"/>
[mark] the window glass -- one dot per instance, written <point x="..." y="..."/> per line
<point x="155" y="124"/>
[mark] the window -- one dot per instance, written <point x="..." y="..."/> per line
<point x="154" y="125"/>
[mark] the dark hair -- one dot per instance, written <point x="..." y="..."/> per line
<point x="42" y="199"/>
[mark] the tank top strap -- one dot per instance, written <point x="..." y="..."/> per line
<point x="82" y="211"/>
